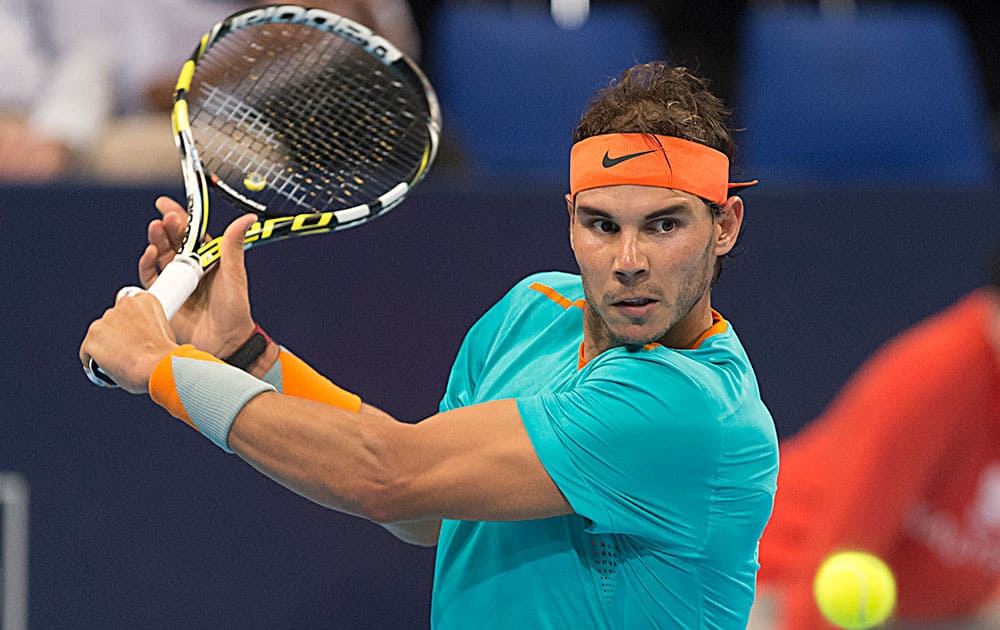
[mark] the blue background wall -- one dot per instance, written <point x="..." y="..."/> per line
<point x="137" y="522"/>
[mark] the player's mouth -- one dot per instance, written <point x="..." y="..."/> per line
<point x="635" y="307"/>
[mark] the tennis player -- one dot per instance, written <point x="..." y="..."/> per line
<point x="602" y="457"/>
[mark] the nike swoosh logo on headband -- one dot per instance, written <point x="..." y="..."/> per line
<point x="608" y="161"/>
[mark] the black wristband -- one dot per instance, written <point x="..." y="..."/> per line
<point x="251" y="350"/>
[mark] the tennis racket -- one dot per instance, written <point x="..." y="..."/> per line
<point x="300" y="115"/>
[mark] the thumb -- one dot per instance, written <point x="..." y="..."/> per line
<point x="232" y="242"/>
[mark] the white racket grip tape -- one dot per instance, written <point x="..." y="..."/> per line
<point x="172" y="288"/>
<point x="176" y="283"/>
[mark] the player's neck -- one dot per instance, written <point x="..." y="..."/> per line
<point x="686" y="332"/>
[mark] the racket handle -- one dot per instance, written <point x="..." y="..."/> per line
<point x="172" y="288"/>
<point x="176" y="283"/>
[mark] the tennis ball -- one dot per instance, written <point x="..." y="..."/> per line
<point x="855" y="590"/>
<point x="255" y="182"/>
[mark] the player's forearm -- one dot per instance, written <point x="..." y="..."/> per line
<point x="327" y="446"/>
<point x="422" y="532"/>
<point x="343" y="454"/>
<point x="337" y="458"/>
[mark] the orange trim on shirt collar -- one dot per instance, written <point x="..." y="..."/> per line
<point x="718" y="327"/>
<point x="555" y="296"/>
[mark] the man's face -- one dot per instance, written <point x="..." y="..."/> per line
<point x="647" y="257"/>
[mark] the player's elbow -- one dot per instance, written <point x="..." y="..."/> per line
<point x="380" y="491"/>
<point x="380" y="501"/>
<point x="389" y="497"/>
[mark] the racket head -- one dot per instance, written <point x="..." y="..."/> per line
<point x="303" y="116"/>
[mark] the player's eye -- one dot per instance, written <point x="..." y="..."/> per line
<point x="664" y="225"/>
<point x="604" y="226"/>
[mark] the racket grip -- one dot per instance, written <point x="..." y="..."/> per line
<point x="176" y="283"/>
<point x="172" y="288"/>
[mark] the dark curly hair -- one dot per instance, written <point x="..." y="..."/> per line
<point x="658" y="98"/>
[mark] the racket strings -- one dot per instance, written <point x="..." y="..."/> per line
<point x="375" y="134"/>
<point x="321" y="122"/>
<point x="353" y="99"/>
<point x="252" y="130"/>
<point x="228" y="145"/>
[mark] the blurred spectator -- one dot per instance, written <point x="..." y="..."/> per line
<point x="82" y="64"/>
<point x="905" y="464"/>
<point x="94" y="77"/>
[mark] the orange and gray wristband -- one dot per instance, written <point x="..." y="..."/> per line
<point x="292" y="376"/>
<point x="203" y="391"/>
<point x="208" y="393"/>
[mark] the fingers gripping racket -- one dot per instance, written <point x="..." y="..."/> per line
<point x="300" y="115"/>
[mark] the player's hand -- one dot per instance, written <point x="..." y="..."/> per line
<point x="129" y="340"/>
<point x="216" y="318"/>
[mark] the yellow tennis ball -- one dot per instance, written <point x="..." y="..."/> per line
<point x="855" y="590"/>
<point x="255" y="182"/>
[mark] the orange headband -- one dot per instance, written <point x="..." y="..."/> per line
<point x="650" y="160"/>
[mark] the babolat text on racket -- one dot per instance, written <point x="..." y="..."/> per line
<point x="301" y="115"/>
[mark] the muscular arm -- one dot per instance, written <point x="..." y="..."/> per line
<point x="422" y="532"/>
<point x="296" y="378"/>
<point x="474" y="463"/>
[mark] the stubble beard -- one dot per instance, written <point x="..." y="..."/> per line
<point x="693" y="288"/>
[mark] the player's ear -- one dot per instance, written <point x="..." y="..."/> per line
<point x="728" y="225"/>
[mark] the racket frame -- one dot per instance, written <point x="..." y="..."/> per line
<point x="195" y="255"/>
<point x="276" y="228"/>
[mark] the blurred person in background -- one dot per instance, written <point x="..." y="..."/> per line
<point x="904" y="464"/>
<point x="92" y="80"/>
